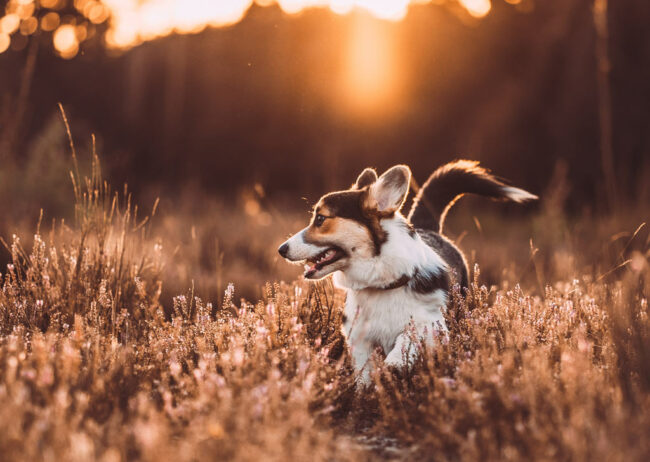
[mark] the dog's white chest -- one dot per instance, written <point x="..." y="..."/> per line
<point x="378" y="317"/>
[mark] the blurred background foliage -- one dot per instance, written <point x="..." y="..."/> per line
<point x="238" y="115"/>
<point x="301" y="102"/>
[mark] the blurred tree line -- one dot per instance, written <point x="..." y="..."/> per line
<point x="524" y="90"/>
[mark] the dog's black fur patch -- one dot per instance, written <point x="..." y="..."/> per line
<point x="425" y="281"/>
<point x="409" y="229"/>
<point x="449" y="252"/>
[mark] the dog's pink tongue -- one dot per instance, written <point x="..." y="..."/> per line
<point x="309" y="270"/>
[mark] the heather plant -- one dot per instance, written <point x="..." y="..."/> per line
<point x="88" y="351"/>
<point x="97" y="364"/>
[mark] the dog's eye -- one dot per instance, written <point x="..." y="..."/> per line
<point x="319" y="220"/>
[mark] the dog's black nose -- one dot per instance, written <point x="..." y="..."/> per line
<point x="284" y="249"/>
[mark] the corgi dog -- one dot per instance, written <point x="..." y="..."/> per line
<point x="398" y="271"/>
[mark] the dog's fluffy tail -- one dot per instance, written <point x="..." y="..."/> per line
<point x="448" y="184"/>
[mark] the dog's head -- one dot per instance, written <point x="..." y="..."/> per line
<point x="346" y="225"/>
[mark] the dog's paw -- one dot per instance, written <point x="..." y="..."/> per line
<point x="363" y="379"/>
<point x="395" y="359"/>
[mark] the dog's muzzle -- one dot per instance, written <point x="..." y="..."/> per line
<point x="319" y="259"/>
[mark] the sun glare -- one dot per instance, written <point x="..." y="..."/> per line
<point x="136" y="21"/>
<point x="371" y="80"/>
<point x="477" y="8"/>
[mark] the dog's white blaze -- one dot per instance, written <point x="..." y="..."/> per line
<point x="518" y="195"/>
<point x="301" y="250"/>
<point x="350" y="236"/>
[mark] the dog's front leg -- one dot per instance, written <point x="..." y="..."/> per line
<point x="361" y="350"/>
<point x="404" y="352"/>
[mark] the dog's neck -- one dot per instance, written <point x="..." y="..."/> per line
<point x="399" y="258"/>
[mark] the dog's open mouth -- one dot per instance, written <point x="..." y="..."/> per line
<point x="320" y="261"/>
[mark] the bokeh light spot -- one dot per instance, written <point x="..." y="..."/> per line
<point x="9" y="23"/>
<point x="65" y="41"/>
<point x="29" y="26"/>
<point x="52" y="4"/>
<point x="25" y="9"/>
<point x="98" y="13"/>
<point x="81" y="31"/>
<point x="50" y="21"/>
<point x="136" y="21"/>
<point x="477" y="8"/>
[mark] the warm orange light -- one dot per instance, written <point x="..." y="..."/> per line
<point x="393" y="10"/>
<point x="384" y="9"/>
<point x="25" y="8"/>
<point x="136" y="21"/>
<point x="98" y="13"/>
<point x="371" y="75"/>
<point x="29" y="26"/>
<point x="52" y="4"/>
<point x="341" y="6"/>
<point x="65" y="41"/>
<point x="9" y="23"/>
<point x="50" y="21"/>
<point x="477" y="8"/>
<point x="293" y="6"/>
<point x="81" y="32"/>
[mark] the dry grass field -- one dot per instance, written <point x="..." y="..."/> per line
<point x="157" y="322"/>
<point x="123" y="337"/>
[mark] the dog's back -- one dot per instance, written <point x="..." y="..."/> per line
<point x="449" y="253"/>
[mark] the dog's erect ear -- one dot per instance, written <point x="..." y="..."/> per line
<point x="387" y="194"/>
<point x="367" y="177"/>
